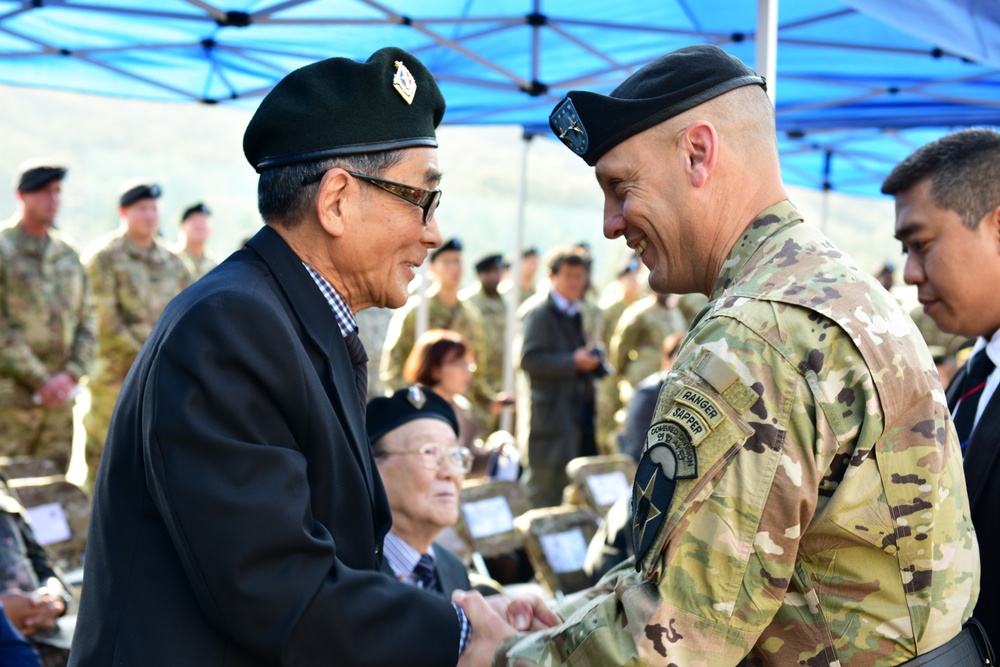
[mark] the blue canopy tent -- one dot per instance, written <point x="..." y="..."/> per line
<point x="860" y="83"/>
<point x="509" y="63"/>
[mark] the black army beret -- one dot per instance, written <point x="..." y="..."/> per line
<point x="35" y="175"/>
<point x="200" y="207"/>
<point x="489" y="262"/>
<point x="414" y="402"/>
<point x="340" y="107"/>
<point x="591" y="124"/>
<point x="451" y="244"/>
<point x="133" y="190"/>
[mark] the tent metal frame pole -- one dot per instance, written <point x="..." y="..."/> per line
<point x="767" y="45"/>
<point x="513" y="296"/>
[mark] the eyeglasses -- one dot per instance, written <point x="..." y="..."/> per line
<point x="435" y="456"/>
<point x="426" y="200"/>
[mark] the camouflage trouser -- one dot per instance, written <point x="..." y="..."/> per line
<point x="52" y="656"/>
<point x="39" y="432"/>
<point x="97" y="421"/>
<point x="607" y="403"/>
<point x="543" y="485"/>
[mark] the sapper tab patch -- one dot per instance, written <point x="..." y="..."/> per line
<point x="670" y="455"/>
<point x="569" y="128"/>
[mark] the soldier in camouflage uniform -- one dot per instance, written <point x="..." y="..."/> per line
<point x="636" y="344"/>
<point x="47" y="332"/>
<point x="134" y="275"/>
<point x="445" y="311"/>
<point x="529" y="268"/>
<point x="492" y="307"/>
<point x="196" y="227"/>
<point x="800" y="497"/>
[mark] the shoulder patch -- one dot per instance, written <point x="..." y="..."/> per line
<point x="725" y="380"/>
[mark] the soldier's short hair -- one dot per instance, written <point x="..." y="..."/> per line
<point x="286" y="194"/>
<point x="565" y="256"/>
<point x="964" y="172"/>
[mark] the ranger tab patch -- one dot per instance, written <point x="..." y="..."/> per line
<point x="669" y="456"/>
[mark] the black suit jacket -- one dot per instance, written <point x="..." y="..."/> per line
<point x="552" y="391"/>
<point x="982" y="469"/>
<point x="452" y="574"/>
<point x="238" y="515"/>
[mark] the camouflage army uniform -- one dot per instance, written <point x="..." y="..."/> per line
<point x="636" y="346"/>
<point x="132" y="286"/>
<point x="489" y="366"/>
<point x="607" y="399"/>
<point x="196" y="266"/>
<point x="462" y="318"/>
<point x="46" y="327"/>
<point x="801" y="496"/>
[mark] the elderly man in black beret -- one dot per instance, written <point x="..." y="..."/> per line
<point x="238" y="512"/>
<point x="414" y="436"/>
<point x="800" y="496"/>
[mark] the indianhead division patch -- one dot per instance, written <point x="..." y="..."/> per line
<point x="569" y="128"/>
<point x="403" y="82"/>
<point x="669" y="456"/>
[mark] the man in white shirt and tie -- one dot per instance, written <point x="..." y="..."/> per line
<point x="948" y="220"/>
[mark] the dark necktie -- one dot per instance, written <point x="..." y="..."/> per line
<point x="359" y="359"/>
<point x="980" y="367"/>
<point x="424" y="572"/>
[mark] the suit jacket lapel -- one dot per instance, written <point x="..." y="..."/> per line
<point x="320" y="324"/>
<point x="981" y="452"/>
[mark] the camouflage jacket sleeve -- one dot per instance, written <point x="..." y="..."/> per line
<point x="472" y="326"/>
<point x="724" y="529"/>
<point x="17" y="360"/>
<point x="84" y="350"/>
<point x="398" y="342"/>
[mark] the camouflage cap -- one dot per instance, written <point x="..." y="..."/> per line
<point x="415" y="402"/>
<point x="36" y="174"/>
<point x="591" y="124"/>
<point x="341" y="107"/>
<point x="135" y="189"/>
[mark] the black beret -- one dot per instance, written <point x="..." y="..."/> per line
<point x="414" y="402"/>
<point x="342" y="107"/>
<point x="35" y="175"/>
<point x="591" y="124"/>
<point x="489" y="262"/>
<point x="133" y="190"/>
<point x="529" y="252"/>
<point x="200" y="207"/>
<point x="451" y="244"/>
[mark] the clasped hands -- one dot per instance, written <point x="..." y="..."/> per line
<point x="495" y="618"/>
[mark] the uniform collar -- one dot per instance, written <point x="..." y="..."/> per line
<point x="767" y="223"/>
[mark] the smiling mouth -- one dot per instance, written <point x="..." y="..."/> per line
<point x="640" y="247"/>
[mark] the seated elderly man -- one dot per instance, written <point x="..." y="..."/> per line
<point x="414" y="439"/>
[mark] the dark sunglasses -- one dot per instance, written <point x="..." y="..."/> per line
<point x="426" y="200"/>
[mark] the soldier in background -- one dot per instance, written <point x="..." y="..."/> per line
<point x="445" y="311"/>
<point x="621" y="293"/>
<point x="47" y="331"/>
<point x="196" y="227"/>
<point x="529" y="269"/>
<point x="492" y="307"/>
<point x="800" y="497"/>
<point x="134" y="275"/>
<point x="638" y="338"/>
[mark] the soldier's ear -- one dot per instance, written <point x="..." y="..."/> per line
<point x="700" y="143"/>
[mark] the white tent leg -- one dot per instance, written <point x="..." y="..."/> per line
<point x="767" y="44"/>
